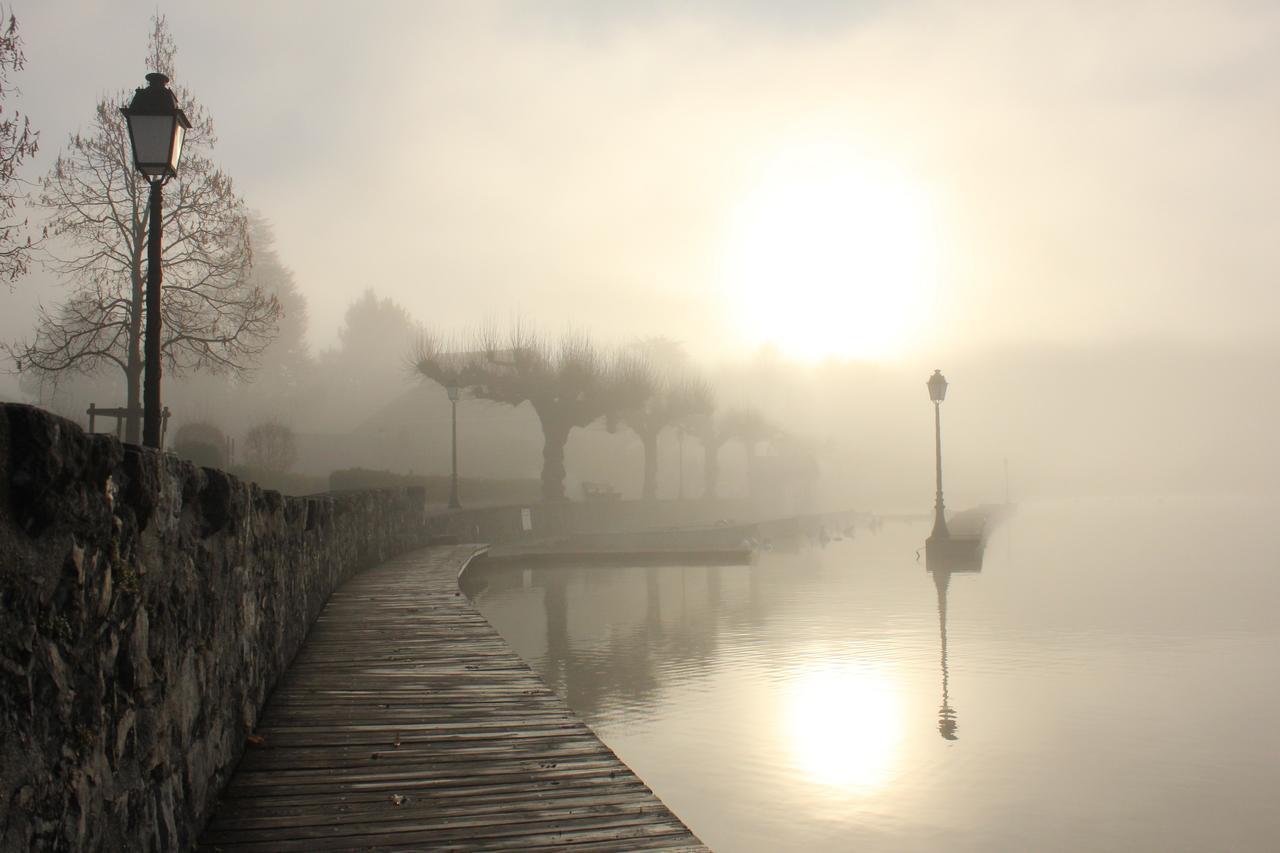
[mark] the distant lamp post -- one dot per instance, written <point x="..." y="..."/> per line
<point x="938" y="393"/>
<point x="157" y="128"/>
<point x="454" y="392"/>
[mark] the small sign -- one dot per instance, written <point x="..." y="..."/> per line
<point x="526" y="518"/>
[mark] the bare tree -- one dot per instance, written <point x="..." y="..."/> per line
<point x="667" y="355"/>
<point x="271" y="446"/>
<point x="286" y="364"/>
<point x="215" y="318"/>
<point x="569" y="384"/>
<point x="17" y="142"/>
<point x="749" y="427"/>
<point x="709" y="433"/>
<point x="672" y="400"/>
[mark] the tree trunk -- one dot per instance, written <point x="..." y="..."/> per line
<point x="555" y="436"/>
<point x="711" y="468"/>
<point x="133" y="399"/>
<point x="649" y="440"/>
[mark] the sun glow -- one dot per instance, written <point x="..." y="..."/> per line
<point x="831" y="256"/>
<point x="844" y="723"/>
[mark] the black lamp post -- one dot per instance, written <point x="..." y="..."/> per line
<point x="454" y="391"/>
<point x="938" y="393"/>
<point x="157" y="127"/>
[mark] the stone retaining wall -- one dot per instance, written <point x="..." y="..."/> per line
<point x="147" y="607"/>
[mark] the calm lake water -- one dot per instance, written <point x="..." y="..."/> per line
<point x="1112" y="682"/>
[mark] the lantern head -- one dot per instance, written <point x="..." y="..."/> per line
<point x="937" y="387"/>
<point x="157" y="128"/>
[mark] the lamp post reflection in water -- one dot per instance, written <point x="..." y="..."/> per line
<point x="946" y="714"/>
<point x="942" y="569"/>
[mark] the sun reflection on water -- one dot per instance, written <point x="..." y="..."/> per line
<point x="844" y="724"/>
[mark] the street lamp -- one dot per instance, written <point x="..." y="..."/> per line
<point x="454" y="391"/>
<point x="157" y="128"/>
<point x="938" y="393"/>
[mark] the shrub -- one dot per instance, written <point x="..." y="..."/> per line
<point x="353" y="479"/>
<point x="202" y="443"/>
<point x="474" y="491"/>
<point x="287" y="483"/>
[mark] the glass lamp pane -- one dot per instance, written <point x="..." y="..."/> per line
<point x="937" y="388"/>
<point x="152" y="136"/>
<point x="179" y="136"/>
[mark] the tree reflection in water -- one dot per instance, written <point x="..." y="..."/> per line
<point x="622" y="663"/>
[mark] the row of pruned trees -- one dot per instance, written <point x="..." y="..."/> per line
<point x="570" y="383"/>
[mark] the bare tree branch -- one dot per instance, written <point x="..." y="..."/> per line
<point x="17" y="142"/>
<point x="214" y="317"/>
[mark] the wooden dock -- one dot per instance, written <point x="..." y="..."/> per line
<point x="406" y="723"/>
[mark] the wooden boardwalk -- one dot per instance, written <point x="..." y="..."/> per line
<point x="406" y="723"/>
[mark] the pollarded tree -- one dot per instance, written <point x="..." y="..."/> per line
<point x="569" y="384"/>
<point x="17" y="142"/>
<point x="671" y="401"/>
<point x="215" y="318"/>
<point x="749" y="427"/>
<point x="707" y="429"/>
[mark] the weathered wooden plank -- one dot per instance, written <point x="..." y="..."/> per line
<point x="469" y="769"/>
<point x="510" y="802"/>
<point x="301" y="758"/>
<point x="653" y="842"/>
<point x="391" y="735"/>
<point x="406" y="722"/>
<point x="404" y="786"/>
<point x="519" y="837"/>
<point x="341" y="718"/>
<point x="527" y="820"/>
<point x="478" y="793"/>
<point x="343" y="725"/>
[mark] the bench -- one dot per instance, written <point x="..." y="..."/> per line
<point x="599" y="492"/>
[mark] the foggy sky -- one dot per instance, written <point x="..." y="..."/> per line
<point x="1100" y="171"/>
<point x="1103" y="181"/>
